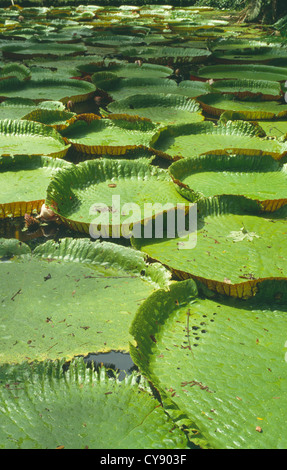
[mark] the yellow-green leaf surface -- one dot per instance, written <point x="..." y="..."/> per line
<point x="24" y="181"/>
<point x="236" y="71"/>
<point x="46" y="406"/>
<point x="189" y="140"/>
<point x="112" y="136"/>
<point x="161" y="108"/>
<point x="62" y="299"/>
<point x="221" y="361"/>
<point x="252" y="176"/>
<point x="114" y="194"/>
<point x="215" y="104"/>
<point x="60" y="88"/>
<point x="234" y="247"/>
<point x="30" y="138"/>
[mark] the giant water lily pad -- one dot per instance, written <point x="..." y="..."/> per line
<point x="113" y="136"/>
<point x="29" y="50"/>
<point x="188" y="140"/>
<point x="18" y="108"/>
<point x="30" y="138"/>
<point x="122" y="88"/>
<point x="61" y="89"/>
<point x="168" y="55"/>
<point x="24" y="181"/>
<point x="215" y="104"/>
<point x="253" y="72"/>
<point x="277" y="128"/>
<point x="254" y="176"/>
<point x="162" y="108"/>
<point x="129" y="70"/>
<point x="112" y="193"/>
<point x="243" y="88"/>
<point x="234" y="247"/>
<point x="81" y="408"/>
<point x="59" y="119"/>
<point x="74" y="310"/>
<point x="221" y="362"/>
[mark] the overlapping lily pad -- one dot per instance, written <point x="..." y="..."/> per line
<point x="30" y="138"/>
<point x="234" y="247"/>
<point x="258" y="177"/>
<point x="168" y="55"/>
<point x="31" y="49"/>
<point x="24" y="181"/>
<point x="19" y="108"/>
<point x="123" y="88"/>
<point x="81" y="408"/>
<point x="59" y="119"/>
<point x="61" y="89"/>
<point x="162" y="108"/>
<point x="129" y="70"/>
<point x="243" y="88"/>
<point x="113" y="194"/>
<point x="253" y="72"/>
<point x="189" y="140"/>
<point x="114" y="135"/>
<point x="215" y="104"/>
<point x="73" y="310"/>
<point x="221" y="362"/>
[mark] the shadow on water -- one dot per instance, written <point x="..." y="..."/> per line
<point x="116" y="361"/>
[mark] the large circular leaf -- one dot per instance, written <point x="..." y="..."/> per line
<point x="189" y="140"/>
<point x="61" y="89"/>
<point x="129" y="70"/>
<point x="114" y="135"/>
<point x="161" y="108"/>
<point x="247" y="88"/>
<point x="81" y="408"/>
<point x="48" y="49"/>
<point x="30" y="138"/>
<point x="250" y="71"/>
<point x="168" y="55"/>
<point x="222" y="362"/>
<point x="59" y="301"/>
<point x="115" y="194"/>
<point x="215" y="104"/>
<point x="253" y="176"/>
<point x="232" y="249"/>
<point x="121" y="88"/>
<point x="24" y="181"/>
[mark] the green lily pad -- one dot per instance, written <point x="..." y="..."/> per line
<point x="114" y="40"/>
<point x="232" y="250"/>
<point x="190" y="140"/>
<point x="115" y="194"/>
<point x="60" y="89"/>
<point x="74" y="310"/>
<point x="19" y="108"/>
<point x="24" y="181"/>
<point x="250" y="71"/>
<point x="113" y="136"/>
<point x="56" y="118"/>
<point x="42" y="49"/>
<point x="81" y="408"/>
<point x="215" y="104"/>
<point x="243" y="88"/>
<point x="162" y="108"/>
<point x="129" y="70"/>
<point x="220" y="361"/>
<point x="252" y="176"/>
<point x="19" y="71"/>
<point x="121" y="88"/>
<point x="273" y="128"/>
<point x="30" y="138"/>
